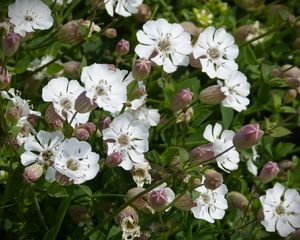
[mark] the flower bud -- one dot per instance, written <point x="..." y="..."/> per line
<point x="158" y="199"/>
<point x="185" y="203"/>
<point x="12" y="115"/>
<point x="33" y="172"/>
<point x="141" y="203"/>
<point x="79" y="214"/>
<point x="289" y="96"/>
<point x="141" y="69"/>
<point x="144" y="13"/>
<point x="89" y="126"/>
<point x="285" y="165"/>
<point x="72" y="68"/>
<point x="191" y="28"/>
<point x="122" y="47"/>
<point x="212" y="95"/>
<point x="237" y="200"/>
<point x="137" y="93"/>
<point x="5" y="78"/>
<point x="202" y="153"/>
<point x="114" y="159"/>
<point x="213" y="179"/>
<point x="182" y="99"/>
<point x="10" y="43"/>
<point x="248" y="136"/>
<point x="104" y="122"/>
<point x="58" y="124"/>
<point x="269" y="172"/>
<point x="32" y="119"/>
<point x="51" y="116"/>
<point x="69" y="33"/>
<point x="83" y="104"/>
<point x="110" y="33"/>
<point x="62" y="179"/>
<point x="195" y="62"/>
<point x="81" y="133"/>
<point x="277" y="72"/>
<point x="243" y="32"/>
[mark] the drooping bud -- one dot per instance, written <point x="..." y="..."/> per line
<point x="81" y="133"/>
<point x="269" y="171"/>
<point x="213" y="179"/>
<point x="72" y="68"/>
<point x="5" y="78"/>
<point x="83" y="104"/>
<point x="202" y="153"/>
<point x="212" y="95"/>
<point x="195" y="62"/>
<point x="104" y="122"/>
<point x="10" y="44"/>
<point x="185" y="203"/>
<point x="144" y="13"/>
<point x="110" y="33"/>
<point x="114" y="159"/>
<point x="182" y="99"/>
<point x="289" y="96"/>
<point x="248" y="136"/>
<point x="141" y="69"/>
<point x="237" y="200"/>
<point x="33" y="172"/>
<point x="122" y="47"/>
<point x="141" y="203"/>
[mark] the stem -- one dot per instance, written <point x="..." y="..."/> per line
<point x="283" y="121"/>
<point x="38" y="209"/>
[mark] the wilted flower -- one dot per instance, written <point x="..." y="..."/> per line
<point x="124" y="7"/>
<point x="140" y="173"/>
<point x="185" y="115"/>
<point x="5" y="78"/>
<point x="269" y="172"/>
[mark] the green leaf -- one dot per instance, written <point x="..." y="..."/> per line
<point x="280" y="132"/>
<point x="54" y="68"/>
<point x="113" y="232"/>
<point x="57" y="191"/>
<point x="249" y="55"/>
<point x="227" y="116"/>
<point x="283" y="149"/>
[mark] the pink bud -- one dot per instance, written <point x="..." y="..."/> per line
<point x="10" y="43"/>
<point x="277" y="72"/>
<point x="114" y="159"/>
<point x="70" y="33"/>
<point x="269" y="172"/>
<point x="213" y="179"/>
<point x="248" y="136"/>
<point x="62" y="179"/>
<point x="212" y="95"/>
<point x="144" y="13"/>
<point x="83" y="104"/>
<point x="5" y="78"/>
<point x="141" y="69"/>
<point x="72" y="68"/>
<point x="33" y="172"/>
<point x="104" y="122"/>
<point x="90" y="127"/>
<point x="122" y="47"/>
<point x="51" y="116"/>
<point x="185" y="203"/>
<point x="82" y="134"/>
<point x="110" y="33"/>
<point x="58" y="124"/>
<point x="158" y="199"/>
<point x="202" y="153"/>
<point x="182" y="99"/>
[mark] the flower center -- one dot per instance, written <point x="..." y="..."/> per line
<point x="164" y="44"/>
<point x="47" y="155"/>
<point x="72" y="165"/>
<point x="123" y="140"/>
<point x="66" y="103"/>
<point x="206" y="198"/>
<point x="100" y="90"/>
<point x="28" y="18"/>
<point x="280" y="210"/>
<point x="214" y="53"/>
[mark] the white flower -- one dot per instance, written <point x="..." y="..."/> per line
<point x="170" y="43"/>
<point x="150" y="117"/>
<point x="63" y="93"/>
<point x="211" y="204"/>
<point x="236" y="89"/>
<point x="217" y="52"/>
<point x="140" y="173"/>
<point x="41" y="148"/>
<point x="76" y="160"/>
<point x="227" y="161"/>
<point x="29" y="15"/>
<point x="281" y="210"/>
<point x="61" y="2"/>
<point x="25" y="130"/>
<point x="124" y="7"/>
<point x="129" y="137"/>
<point x="105" y="86"/>
<point x="250" y="161"/>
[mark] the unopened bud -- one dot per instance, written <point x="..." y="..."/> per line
<point x="182" y="99"/>
<point x="5" y="78"/>
<point x="202" y="153"/>
<point x="248" y="136"/>
<point x="82" y="134"/>
<point x="269" y="171"/>
<point x="191" y="28"/>
<point x="292" y="76"/>
<point x="104" y="122"/>
<point x="141" y="69"/>
<point x="212" y="95"/>
<point x="285" y="165"/>
<point x="237" y="200"/>
<point x="58" y="124"/>
<point x="51" y="116"/>
<point x="137" y="93"/>
<point x="79" y="214"/>
<point x="144" y="13"/>
<point x="62" y="179"/>
<point x="158" y="199"/>
<point x="114" y="159"/>
<point x="33" y="172"/>
<point x="110" y="33"/>
<point x="185" y="203"/>
<point x="12" y="115"/>
<point x="290" y="95"/>
<point x="83" y="104"/>
<point x="70" y="33"/>
<point x="10" y="43"/>
<point x="89" y="126"/>
<point x="72" y="68"/>
<point x="243" y="32"/>
<point x="32" y="119"/>
<point x="195" y="62"/>
<point x="122" y="47"/>
<point x="213" y="179"/>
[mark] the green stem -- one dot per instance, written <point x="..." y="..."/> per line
<point x="38" y="209"/>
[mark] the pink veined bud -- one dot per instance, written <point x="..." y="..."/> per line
<point x="137" y="93"/>
<point x="185" y="203"/>
<point x="158" y="199"/>
<point x="58" y="124"/>
<point x="122" y="47"/>
<point x="202" y="153"/>
<point x="82" y="134"/>
<point x="248" y="136"/>
<point x="90" y="127"/>
<point x="72" y="68"/>
<point x="182" y="99"/>
<point x="212" y="95"/>
<point x="114" y="159"/>
<point x="33" y="172"/>
<point x="277" y="72"/>
<point x="141" y="69"/>
<point x="10" y="44"/>
<point x="83" y="104"/>
<point x="51" y="116"/>
<point x="62" y="179"/>
<point x="104" y="122"/>
<point x="5" y="78"/>
<point x="213" y="179"/>
<point x="110" y="33"/>
<point x="269" y="172"/>
<point x="69" y="33"/>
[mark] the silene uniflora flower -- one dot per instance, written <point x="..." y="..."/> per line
<point x="150" y="117"/>
<point x="25" y="130"/>
<point x="217" y="52"/>
<point x="236" y="89"/>
<point x="222" y="141"/>
<point x="124" y="8"/>
<point x="105" y="86"/>
<point x="63" y="93"/>
<point x="166" y="44"/>
<point x="76" y="161"/>
<point x="211" y="204"/>
<point x="129" y="137"/>
<point x="281" y="208"/>
<point x="140" y="173"/>
<point x="29" y="15"/>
